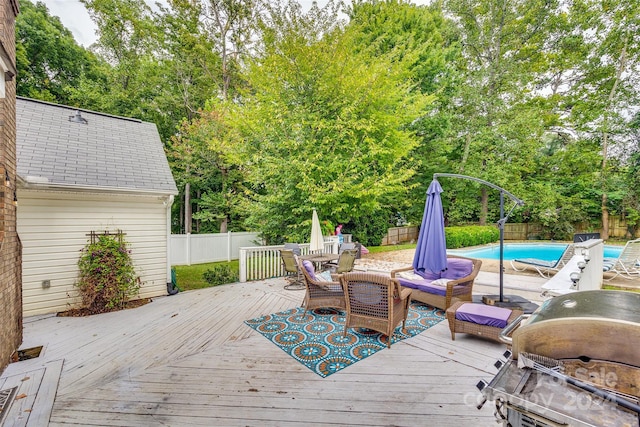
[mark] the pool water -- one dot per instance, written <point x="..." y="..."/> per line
<point x="544" y="251"/>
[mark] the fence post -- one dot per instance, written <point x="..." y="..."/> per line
<point x="228" y="246"/>
<point x="243" y="265"/>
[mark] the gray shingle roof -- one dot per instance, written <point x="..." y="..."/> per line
<point x="107" y="152"/>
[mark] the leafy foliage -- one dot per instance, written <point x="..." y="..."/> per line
<point x="371" y="229"/>
<point x="460" y="237"/>
<point x="220" y="275"/>
<point x="51" y="65"/>
<point x="107" y="277"/>
<point x="268" y="111"/>
<point x="324" y="127"/>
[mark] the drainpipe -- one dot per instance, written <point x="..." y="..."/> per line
<point x="167" y="203"/>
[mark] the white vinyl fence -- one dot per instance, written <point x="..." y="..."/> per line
<point x="187" y="249"/>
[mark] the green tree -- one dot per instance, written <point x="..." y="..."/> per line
<point x="209" y="149"/>
<point x="497" y="119"/>
<point x="128" y="41"/>
<point x="205" y="43"/>
<point x="325" y="126"/>
<point x="605" y="87"/>
<point x="51" y="65"/>
<point x="419" y="37"/>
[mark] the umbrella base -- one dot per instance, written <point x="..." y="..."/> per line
<point x="295" y="286"/>
<point x="510" y="301"/>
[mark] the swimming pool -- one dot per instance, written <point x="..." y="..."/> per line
<point x="544" y="251"/>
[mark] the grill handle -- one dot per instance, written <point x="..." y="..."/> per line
<point x="505" y="337"/>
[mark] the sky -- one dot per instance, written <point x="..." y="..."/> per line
<point x="75" y="17"/>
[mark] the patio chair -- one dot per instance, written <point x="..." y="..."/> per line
<point x="545" y="268"/>
<point x="627" y="264"/>
<point x="346" y="246"/>
<point x="345" y="263"/>
<point x="291" y="269"/>
<point x="376" y="302"/>
<point x="320" y="292"/>
<point x="294" y="247"/>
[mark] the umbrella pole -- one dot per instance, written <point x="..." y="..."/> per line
<point x="501" y="227"/>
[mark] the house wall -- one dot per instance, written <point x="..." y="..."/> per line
<point x="54" y="225"/>
<point x="10" y="289"/>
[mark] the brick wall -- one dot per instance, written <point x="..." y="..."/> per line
<point x="10" y="249"/>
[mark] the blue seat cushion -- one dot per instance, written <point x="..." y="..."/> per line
<point x="457" y="268"/>
<point x="482" y="314"/>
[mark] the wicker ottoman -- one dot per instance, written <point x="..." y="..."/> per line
<point x="479" y="319"/>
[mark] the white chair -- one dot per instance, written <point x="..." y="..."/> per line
<point x="545" y="268"/>
<point x="627" y="264"/>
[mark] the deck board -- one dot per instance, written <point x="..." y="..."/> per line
<point x="189" y="359"/>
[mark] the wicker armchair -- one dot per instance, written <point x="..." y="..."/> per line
<point x="460" y="288"/>
<point x="320" y="293"/>
<point x="375" y="301"/>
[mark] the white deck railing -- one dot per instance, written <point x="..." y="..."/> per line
<point x="264" y="262"/>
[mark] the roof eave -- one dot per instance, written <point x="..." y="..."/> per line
<point x="22" y="183"/>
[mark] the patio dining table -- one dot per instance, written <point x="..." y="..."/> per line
<point x="319" y="260"/>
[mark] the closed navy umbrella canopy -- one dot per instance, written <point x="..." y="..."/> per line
<point x="431" y="251"/>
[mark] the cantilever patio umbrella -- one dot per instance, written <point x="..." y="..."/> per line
<point x="431" y="251"/>
<point x="317" y="240"/>
<point x="524" y="304"/>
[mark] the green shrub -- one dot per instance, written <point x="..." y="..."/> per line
<point x="220" y="274"/>
<point x="473" y="235"/>
<point x="107" y="278"/>
<point x="370" y="229"/>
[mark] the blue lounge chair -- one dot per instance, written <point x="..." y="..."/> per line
<point x="545" y="268"/>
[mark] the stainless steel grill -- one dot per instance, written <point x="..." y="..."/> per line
<point x="574" y="362"/>
<point x="6" y="397"/>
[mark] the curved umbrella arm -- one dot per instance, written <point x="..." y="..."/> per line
<point x="519" y="202"/>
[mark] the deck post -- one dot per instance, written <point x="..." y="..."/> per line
<point x="243" y="265"/>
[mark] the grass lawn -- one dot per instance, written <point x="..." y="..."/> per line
<point x="190" y="276"/>
<point x="620" y="288"/>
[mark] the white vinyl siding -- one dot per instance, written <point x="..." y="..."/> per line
<point x="54" y="226"/>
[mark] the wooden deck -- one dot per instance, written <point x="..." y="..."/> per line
<point x="189" y="359"/>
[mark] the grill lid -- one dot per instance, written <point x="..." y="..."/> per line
<point x="617" y="305"/>
<point x="587" y="325"/>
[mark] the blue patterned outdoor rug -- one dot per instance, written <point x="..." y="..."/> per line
<point x="316" y="340"/>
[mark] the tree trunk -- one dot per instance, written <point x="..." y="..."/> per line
<point x="181" y="216"/>
<point x="224" y="224"/>
<point x="465" y="153"/>
<point x="605" y="139"/>
<point x="198" y="195"/>
<point x="605" y="218"/>
<point x="484" y="206"/>
<point x="187" y="208"/>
